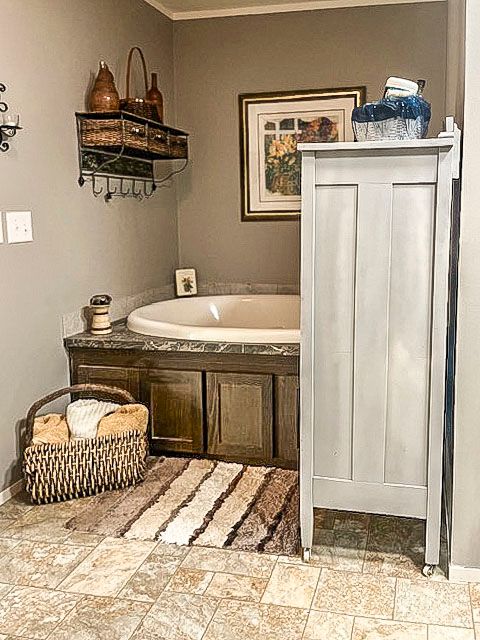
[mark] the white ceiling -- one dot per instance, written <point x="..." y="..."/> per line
<point x="195" y="9"/>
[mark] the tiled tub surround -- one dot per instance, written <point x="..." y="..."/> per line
<point x="76" y="322"/>
<point x="363" y="583"/>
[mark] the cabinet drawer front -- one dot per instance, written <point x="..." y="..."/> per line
<point x="240" y="415"/>
<point x="121" y="377"/>
<point x="176" y="414"/>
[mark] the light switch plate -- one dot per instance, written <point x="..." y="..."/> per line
<point x="19" y="226"/>
<point x="1" y="228"/>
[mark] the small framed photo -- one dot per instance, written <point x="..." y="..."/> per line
<point x="186" y="282"/>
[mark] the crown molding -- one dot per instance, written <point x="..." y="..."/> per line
<point x="312" y="5"/>
<point x="160" y="7"/>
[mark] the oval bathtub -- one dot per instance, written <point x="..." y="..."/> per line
<point x="234" y="318"/>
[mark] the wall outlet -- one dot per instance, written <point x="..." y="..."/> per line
<point x="19" y="226"/>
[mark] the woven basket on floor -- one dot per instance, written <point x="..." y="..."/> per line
<point x="80" y="468"/>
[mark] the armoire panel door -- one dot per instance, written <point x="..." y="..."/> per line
<point x="240" y="416"/>
<point x="333" y="318"/>
<point x="371" y="333"/>
<point x="176" y="413"/>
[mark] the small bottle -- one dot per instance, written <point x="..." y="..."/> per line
<point x="154" y="95"/>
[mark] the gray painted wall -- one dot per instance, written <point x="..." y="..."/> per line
<point x="49" y="50"/>
<point x="217" y="59"/>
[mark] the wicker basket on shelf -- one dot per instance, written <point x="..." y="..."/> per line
<point x="79" y="468"/>
<point x="139" y="106"/>
<point x="114" y="133"/>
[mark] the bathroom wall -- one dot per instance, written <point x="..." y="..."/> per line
<point x="217" y="59"/>
<point x="49" y="52"/>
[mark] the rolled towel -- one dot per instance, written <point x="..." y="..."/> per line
<point x="83" y="416"/>
<point x="50" y="429"/>
<point x="126" y="418"/>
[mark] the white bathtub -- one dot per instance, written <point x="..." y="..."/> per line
<point x="257" y="319"/>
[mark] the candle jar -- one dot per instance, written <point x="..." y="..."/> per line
<point x="101" y="324"/>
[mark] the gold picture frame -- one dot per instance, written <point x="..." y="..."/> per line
<point x="271" y="124"/>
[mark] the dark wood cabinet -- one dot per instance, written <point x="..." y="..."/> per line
<point x="123" y="377"/>
<point x="176" y="411"/>
<point x="287" y="406"/>
<point x="235" y="407"/>
<point x="240" y="416"/>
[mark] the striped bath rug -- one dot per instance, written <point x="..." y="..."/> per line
<point x="202" y="502"/>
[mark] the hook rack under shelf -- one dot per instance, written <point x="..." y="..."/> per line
<point x="117" y="153"/>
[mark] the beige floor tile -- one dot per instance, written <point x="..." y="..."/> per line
<point x="291" y="585"/>
<point x="405" y="564"/>
<point x="16" y="506"/>
<point x="235" y="620"/>
<point x="354" y="522"/>
<point x="7" y="545"/>
<point x="388" y="533"/>
<point x="101" y="619"/>
<point x="151" y="578"/>
<point x="229" y="585"/>
<point x="34" y="613"/>
<point x="323" y="625"/>
<point x="190" y="581"/>
<point x="449" y="633"/>
<point x="39" y="523"/>
<point x="177" y="616"/>
<point x="4" y="589"/>
<point x="368" y="629"/>
<point x="5" y="522"/>
<point x="477" y="631"/>
<point x="341" y="549"/>
<point x="355" y="594"/>
<point x="84" y="538"/>
<point x="440" y="603"/>
<point x="108" y="568"/>
<point x="256" y="565"/>
<point x="324" y="518"/>
<point x="40" y="564"/>
<point x="475" y="600"/>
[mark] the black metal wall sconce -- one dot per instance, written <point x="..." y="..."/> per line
<point x="9" y="124"/>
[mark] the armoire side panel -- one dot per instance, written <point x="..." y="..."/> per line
<point x="409" y="334"/>
<point x="334" y="273"/>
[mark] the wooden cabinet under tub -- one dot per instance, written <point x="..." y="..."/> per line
<point x="241" y="407"/>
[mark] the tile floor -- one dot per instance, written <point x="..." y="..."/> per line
<point x="364" y="583"/>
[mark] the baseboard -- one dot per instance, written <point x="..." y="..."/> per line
<point x="11" y="491"/>
<point x="457" y="573"/>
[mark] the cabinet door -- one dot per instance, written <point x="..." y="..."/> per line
<point x="176" y="415"/>
<point x="286" y="420"/>
<point x="122" y="377"/>
<point x="240" y="415"/>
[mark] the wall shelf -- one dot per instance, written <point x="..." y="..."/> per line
<point x="117" y="152"/>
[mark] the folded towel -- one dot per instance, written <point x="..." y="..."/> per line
<point x="50" y="429"/>
<point x="83" y="416"/>
<point x="126" y="418"/>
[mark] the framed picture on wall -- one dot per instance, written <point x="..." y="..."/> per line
<point x="271" y="125"/>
